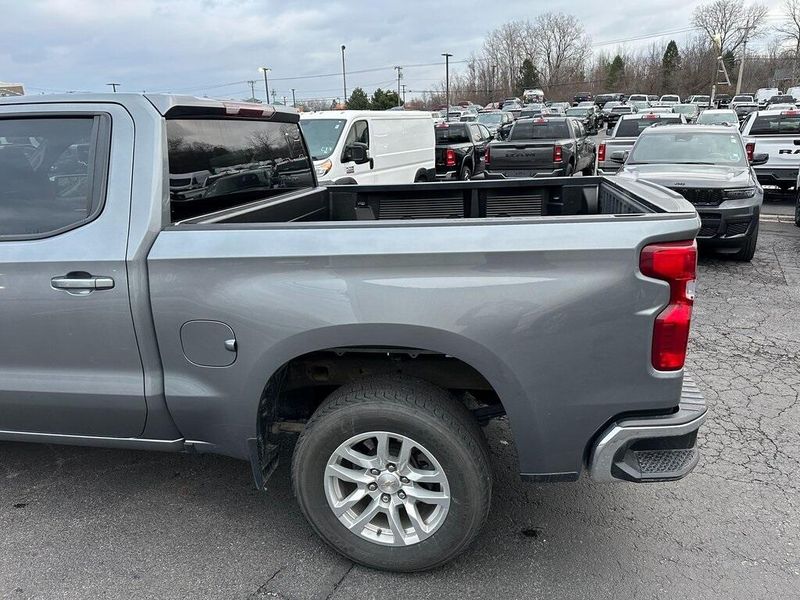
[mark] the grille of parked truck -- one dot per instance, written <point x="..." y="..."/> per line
<point x="385" y="323"/>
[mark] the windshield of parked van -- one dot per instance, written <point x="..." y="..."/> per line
<point x="689" y="148"/>
<point x="322" y="135"/>
<point x="633" y="127"/>
<point x="539" y="129"/>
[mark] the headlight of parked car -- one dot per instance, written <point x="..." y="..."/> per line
<point x="739" y="193"/>
<point x="322" y="169"/>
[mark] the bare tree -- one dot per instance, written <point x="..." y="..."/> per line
<point x="730" y="22"/>
<point x="789" y="29"/>
<point x="563" y="45"/>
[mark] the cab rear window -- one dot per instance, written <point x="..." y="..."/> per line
<point x="452" y="134"/>
<point x="539" y="130"/>
<point x="782" y="124"/>
<point x="633" y="127"/>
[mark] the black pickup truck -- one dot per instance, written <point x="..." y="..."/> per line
<point x="459" y="149"/>
<point x="543" y="146"/>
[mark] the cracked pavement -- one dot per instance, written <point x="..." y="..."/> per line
<point x="86" y="523"/>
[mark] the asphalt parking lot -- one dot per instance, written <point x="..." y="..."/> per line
<point x="89" y="523"/>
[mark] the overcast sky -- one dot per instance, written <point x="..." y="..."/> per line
<point x="198" y="46"/>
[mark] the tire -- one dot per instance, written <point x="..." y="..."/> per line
<point x="421" y="177"/>
<point x="438" y="427"/>
<point x="570" y="170"/>
<point x="748" y="249"/>
<point x="797" y="210"/>
<point x="466" y="173"/>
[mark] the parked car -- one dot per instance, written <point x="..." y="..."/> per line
<point x="624" y="134"/>
<point x="582" y="97"/>
<point x="394" y="146"/>
<point x="722" y="100"/>
<point x="781" y="100"/>
<point x="742" y="99"/>
<point x="718" y="117"/>
<point x="602" y="99"/>
<point x="743" y="109"/>
<point x="545" y="146"/>
<point x="690" y="111"/>
<point x="763" y="96"/>
<point x="612" y="116"/>
<point x="781" y="106"/>
<point x="332" y="312"/>
<point x="775" y="134"/>
<point x="494" y="119"/>
<point x="652" y="99"/>
<point x="708" y="166"/>
<point x="529" y="112"/>
<point x="468" y="118"/>
<point x="670" y="99"/>
<point x="640" y="101"/>
<point x="560" y="106"/>
<point x="533" y="95"/>
<point x="702" y="102"/>
<point x="589" y="117"/>
<point x="658" y="110"/>
<point x="459" y="149"/>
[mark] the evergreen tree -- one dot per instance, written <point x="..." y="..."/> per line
<point x="616" y="70"/>
<point x="670" y="65"/>
<point x="358" y="100"/>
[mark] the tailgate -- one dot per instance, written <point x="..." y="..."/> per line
<point x="522" y="155"/>
<point x="784" y="151"/>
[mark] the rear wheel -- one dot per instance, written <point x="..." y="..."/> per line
<point x="588" y="171"/>
<point x="748" y="250"/>
<point x="393" y="473"/>
<point x="466" y="173"/>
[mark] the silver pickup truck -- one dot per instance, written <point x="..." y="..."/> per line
<point x="148" y="307"/>
<point x="624" y="135"/>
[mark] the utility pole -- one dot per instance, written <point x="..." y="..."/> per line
<point x="274" y="93"/>
<point x="399" y="77"/>
<point x="284" y="100"/>
<point x="741" y="61"/>
<point x="265" y="70"/>
<point x="114" y="86"/>
<point x="344" y="77"/>
<point x="447" y="56"/>
<point x="294" y="102"/>
<point x="252" y="83"/>
<point x="404" y="93"/>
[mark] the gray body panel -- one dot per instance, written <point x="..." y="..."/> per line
<point x="552" y="311"/>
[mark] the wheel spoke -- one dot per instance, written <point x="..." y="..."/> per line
<point x="416" y="520"/>
<point x="383" y="448"/>
<point x="358" y="458"/>
<point x="365" y="517"/>
<point x="419" y="494"/>
<point x="349" y="475"/>
<point x="396" y="525"/>
<point x="424" y="476"/>
<point x="405" y="453"/>
<point x="349" y="502"/>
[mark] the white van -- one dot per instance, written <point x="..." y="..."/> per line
<point x="371" y="146"/>
<point x="764" y="94"/>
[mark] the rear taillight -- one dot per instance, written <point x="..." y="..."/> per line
<point x="750" y="149"/>
<point x="675" y="263"/>
<point x="558" y="154"/>
<point x="487" y="155"/>
<point x="450" y="158"/>
<point x="601" y="153"/>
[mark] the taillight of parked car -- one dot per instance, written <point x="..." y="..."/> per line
<point x="487" y="158"/>
<point x="750" y="149"/>
<point x="450" y="158"/>
<point x="601" y="153"/>
<point x="675" y="263"/>
<point x="558" y="154"/>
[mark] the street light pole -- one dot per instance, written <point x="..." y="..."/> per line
<point x="447" y="56"/>
<point x="265" y="70"/>
<point x="344" y="77"/>
<point x="294" y="102"/>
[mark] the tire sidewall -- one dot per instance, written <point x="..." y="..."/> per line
<point x="468" y="483"/>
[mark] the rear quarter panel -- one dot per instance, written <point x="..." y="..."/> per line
<point x="552" y="311"/>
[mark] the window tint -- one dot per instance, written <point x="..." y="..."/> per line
<point x="633" y="127"/>
<point x="47" y="175"/>
<point x="787" y="123"/>
<point x="452" y="134"/>
<point x="221" y="163"/>
<point x="359" y="132"/>
<point x="539" y="130"/>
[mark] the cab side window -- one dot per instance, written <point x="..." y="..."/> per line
<point x="359" y="132"/>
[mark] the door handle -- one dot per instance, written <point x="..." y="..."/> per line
<point x="81" y="282"/>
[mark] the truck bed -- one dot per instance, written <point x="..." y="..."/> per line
<point x="489" y="199"/>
